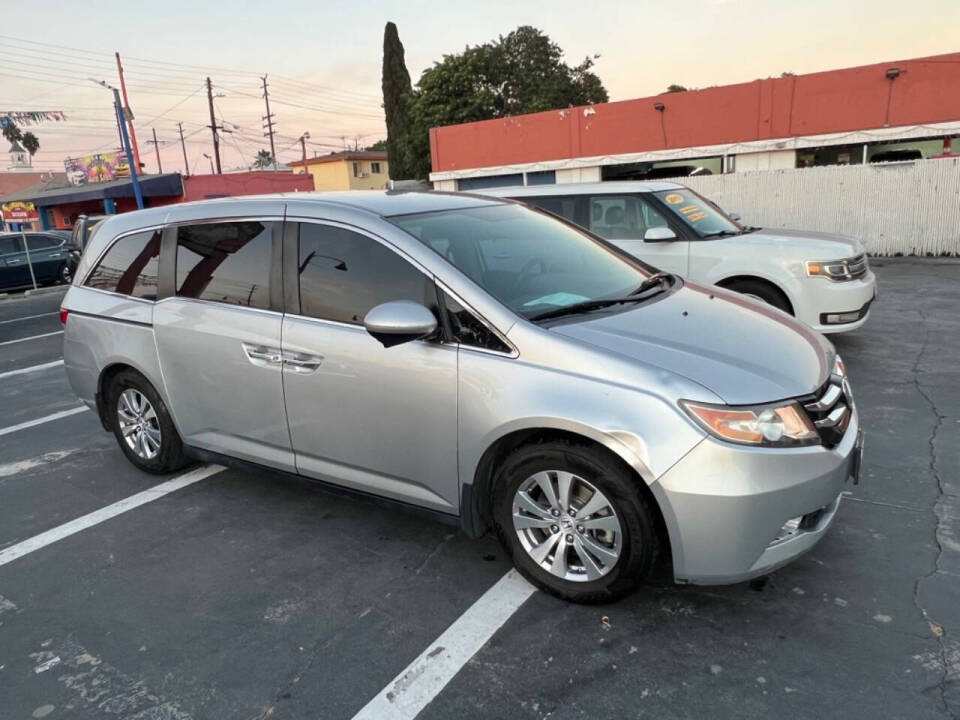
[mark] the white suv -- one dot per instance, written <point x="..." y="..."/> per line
<point x="823" y="280"/>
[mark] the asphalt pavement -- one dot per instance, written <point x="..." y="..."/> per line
<point x="256" y="596"/>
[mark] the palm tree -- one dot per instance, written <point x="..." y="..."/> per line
<point x="30" y="143"/>
<point x="264" y="159"/>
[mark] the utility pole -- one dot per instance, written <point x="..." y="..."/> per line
<point x="214" y="127"/>
<point x="269" y="119"/>
<point x="156" y="148"/>
<point x="127" y="110"/>
<point x="303" y="147"/>
<point x="183" y="146"/>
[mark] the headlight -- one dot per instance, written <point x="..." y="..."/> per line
<point x="838" y="270"/>
<point x="775" y="425"/>
<point x="832" y="270"/>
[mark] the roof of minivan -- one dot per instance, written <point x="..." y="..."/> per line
<point x="598" y="188"/>
<point x="392" y="202"/>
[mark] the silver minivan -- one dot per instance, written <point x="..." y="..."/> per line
<point x="475" y="358"/>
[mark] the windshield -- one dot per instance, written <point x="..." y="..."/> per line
<point x="527" y="260"/>
<point x="697" y="213"/>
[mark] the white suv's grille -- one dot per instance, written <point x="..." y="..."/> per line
<point x="856" y="266"/>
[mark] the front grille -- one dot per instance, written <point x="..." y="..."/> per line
<point x="830" y="410"/>
<point x="856" y="266"/>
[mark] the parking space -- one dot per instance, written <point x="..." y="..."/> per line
<point x="255" y="596"/>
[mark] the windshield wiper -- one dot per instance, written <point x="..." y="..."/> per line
<point x="655" y="279"/>
<point x="640" y="294"/>
<point x="721" y="233"/>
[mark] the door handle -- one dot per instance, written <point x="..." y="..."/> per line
<point x="302" y="363"/>
<point x="262" y="355"/>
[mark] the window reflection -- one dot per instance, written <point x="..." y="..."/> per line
<point x="225" y="262"/>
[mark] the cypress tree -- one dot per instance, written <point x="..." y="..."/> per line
<point x="396" y="102"/>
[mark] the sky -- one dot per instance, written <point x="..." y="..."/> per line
<point x="322" y="59"/>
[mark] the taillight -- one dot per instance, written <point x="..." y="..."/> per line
<point x="64" y="313"/>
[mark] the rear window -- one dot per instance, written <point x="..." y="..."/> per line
<point x="130" y="266"/>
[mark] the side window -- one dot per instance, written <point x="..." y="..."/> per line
<point x="226" y="262"/>
<point x="468" y="330"/>
<point x="622" y="217"/>
<point x="344" y="274"/>
<point x="10" y="245"/>
<point x="41" y="242"/>
<point x="565" y="207"/>
<point x="130" y="266"/>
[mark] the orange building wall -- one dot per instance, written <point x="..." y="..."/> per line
<point x="861" y="98"/>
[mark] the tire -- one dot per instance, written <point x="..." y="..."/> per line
<point x="65" y="274"/>
<point x="762" y="291"/>
<point x="582" y="468"/>
<point x="156" y="449"/>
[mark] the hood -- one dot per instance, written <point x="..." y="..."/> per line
<point x="742" y="350"/>
<point x="812" y="245"/>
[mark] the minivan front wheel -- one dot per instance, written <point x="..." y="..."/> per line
<point x="574" y="522"/>
<point x="142" y="424"/>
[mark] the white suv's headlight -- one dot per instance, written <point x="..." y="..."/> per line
<point x="781" y="424"/>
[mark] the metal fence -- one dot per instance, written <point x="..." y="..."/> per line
<point x="910" y="208"/>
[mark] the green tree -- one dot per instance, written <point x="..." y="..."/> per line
<point x="396" y="103"/>
<point x="676" y="88"/>
<point x="263" y="160"/>
<point x="30" y="143"/>
<point x="378" y="145"/>
<point x="11" y="132"/>
<point x="522" y="72"/>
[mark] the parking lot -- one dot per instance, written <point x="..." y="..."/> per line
<point x="254" y="596"/>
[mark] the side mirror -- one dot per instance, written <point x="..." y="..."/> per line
<point x="399" y="321"/>
<point x="659" y="234"/>
<point x="734" y="216"/>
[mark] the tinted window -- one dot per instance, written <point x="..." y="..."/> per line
<point x="565" y="207"/>
<point x="344" y="274"/>
<point x="225" y="262"/>
<point x="42" y="242"/>
<point x="467" y="329"/>
<point x="619" y="217"/>
<point x="130" y="266"/>
<point x="10" y="244"/>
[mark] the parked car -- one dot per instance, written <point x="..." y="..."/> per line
<point x="53" y="256"/>
<point x="475" y="358"/>
<point x="822" y="279"/>
<point x="83" y="228"/>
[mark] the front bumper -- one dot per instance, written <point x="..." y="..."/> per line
<point x="824" y="299"/>
<point x="725" y="505"/>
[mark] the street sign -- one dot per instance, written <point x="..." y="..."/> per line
<point x="19" y="211"/>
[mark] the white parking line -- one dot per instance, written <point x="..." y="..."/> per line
<point x="110" y="511"/>
<point x="32" y="337"/>
<point x="32" y="368"/>
<point x="28" y="317"/>
<point x="422" y="680"/>
<point x="41" y="421"/>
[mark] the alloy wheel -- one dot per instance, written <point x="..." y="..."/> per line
<point x="139" y="423"/>
<point x="567" y="526"/>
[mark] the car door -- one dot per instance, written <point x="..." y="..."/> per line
<point x="624" y="220"/>
<point x="13" y="262"/>
<point x="217" y="329"/>
<point x="46" y="255"/>
<point x="376" y="419"/>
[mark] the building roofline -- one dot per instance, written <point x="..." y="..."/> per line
<point x="346" y="156"/>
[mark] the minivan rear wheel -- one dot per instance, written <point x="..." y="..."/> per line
<point x="142" y="424"/>
<point x="574" y="521"/>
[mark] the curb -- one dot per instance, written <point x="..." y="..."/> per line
<point x="45" y="291"/>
